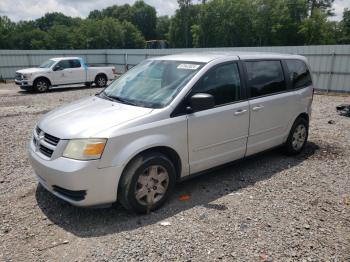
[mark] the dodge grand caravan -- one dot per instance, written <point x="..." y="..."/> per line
<point x="168" y="118"/>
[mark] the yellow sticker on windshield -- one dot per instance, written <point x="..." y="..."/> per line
<point x="188" y="66"/>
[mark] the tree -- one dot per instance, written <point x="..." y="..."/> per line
<point x="225" y="23"/>
<point x="107" y="33"/>
<point x="6" y="30"/>
<point x="320" y="5"/>
<point x="60" y="37"/>
<point x="317" y="29"/>
<point x="50" y="19"/>
<point x="345" y="28"/>
<point x="163" y="26"/>
<point x="132" y="36"/>
<point x="144" y="17"/>
<point x="180" y="26"/>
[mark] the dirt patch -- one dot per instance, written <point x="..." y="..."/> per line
<point x="267" y="208"/>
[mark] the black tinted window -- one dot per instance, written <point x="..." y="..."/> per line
<point x="299" y="73"/>
<point x="64" y="64"/>
<point x="74" y="63"/>
<point x="265" y="77"/>
<point x="222" y="82"/>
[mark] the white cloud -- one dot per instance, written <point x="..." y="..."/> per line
<point x="32" y="9"/>
<point x="339" y="6"/>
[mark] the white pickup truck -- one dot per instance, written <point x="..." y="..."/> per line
<point x="63" y="71"/>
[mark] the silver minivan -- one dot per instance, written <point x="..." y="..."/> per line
<point x="168" y="118"/>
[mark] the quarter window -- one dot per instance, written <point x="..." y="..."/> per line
<point x="265" y="77"/>
<point x="299" y="74"/>
<point x="222" y="82"/>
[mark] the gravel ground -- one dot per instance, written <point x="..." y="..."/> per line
<point x="266" y="208"/>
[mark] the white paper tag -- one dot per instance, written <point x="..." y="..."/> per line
<point x="188" y="66"/>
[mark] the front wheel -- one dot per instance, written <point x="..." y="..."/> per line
<point x="147" y="182"/>
<point x="297" y="137"/>
<point x="41" y="85"/>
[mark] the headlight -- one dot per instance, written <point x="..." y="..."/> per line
<point x="26" y="76"/>
<point x="85" y="149"/>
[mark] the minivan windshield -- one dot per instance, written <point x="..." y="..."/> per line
<point x="47" y="64"/>
<point x="152" y="83"/>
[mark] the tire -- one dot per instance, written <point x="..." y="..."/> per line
<point x="101" y="80"/>
<point x="41" y="85"/>
<point x="150" y="174"/>
<point x="297" y="137"/>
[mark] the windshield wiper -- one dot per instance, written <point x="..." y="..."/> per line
<point x="117" y="98"/>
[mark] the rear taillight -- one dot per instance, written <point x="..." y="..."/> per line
<point x="114" y="71"/>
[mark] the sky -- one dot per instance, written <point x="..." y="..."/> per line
<point x="31" y="9"/>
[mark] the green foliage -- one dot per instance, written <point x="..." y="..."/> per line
<point x="345" y="28"/>
<point x="6" y="30"/>
<point x="180" y="27"/>
<point x="142" y="15"/>
<point x="226" y="23"/>
<point x="316" y="29"/>
<point x="206" y="23"/>
<point x="163" y="26"/>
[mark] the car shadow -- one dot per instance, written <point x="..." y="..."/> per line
<point x="61" y="89"/>
<point x="203" y="190"/>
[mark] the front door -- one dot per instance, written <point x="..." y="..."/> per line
<point x="218" y="135"/>
<point x="61" y="73"/>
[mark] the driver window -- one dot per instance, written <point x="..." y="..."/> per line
<point x="222" y="82"/>
<point x="64" y="64"/>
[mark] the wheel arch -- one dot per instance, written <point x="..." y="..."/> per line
<point x="42" y="77"/>
<point x="165" y="150"/>
<point x="303" y="116"/>
<point x="101" y="74"/>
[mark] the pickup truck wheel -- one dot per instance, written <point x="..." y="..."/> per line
<point x="101" y="81"/>
<point x="147" y="182"/>
<point x="41" y="85"/>
<point x="297" y="137"/>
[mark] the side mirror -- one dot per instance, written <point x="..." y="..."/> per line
<point x="201" y="101"/>
<point x="57" y="68"/>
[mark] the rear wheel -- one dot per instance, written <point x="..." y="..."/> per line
<point x="297" y="137"/>
<point x="147" y="182"/>
<point x="101" y="80"/>
<point x="41" y="85"/>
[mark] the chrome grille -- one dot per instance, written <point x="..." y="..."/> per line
<point x="44" y="142"/>
<point x="45" y="151"/>
<point x="51" y="139"/>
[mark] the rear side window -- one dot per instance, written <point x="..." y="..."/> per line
<point x="222" y="82"/>
<point x="265" y="77"/>
<point x="74" y="63"/>
<point x="299" y="74"/>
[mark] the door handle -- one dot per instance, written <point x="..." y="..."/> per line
<point x="257" y="108"/>
<point x="240" y="112"/>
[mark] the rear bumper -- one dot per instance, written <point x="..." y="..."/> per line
<point x="80" y="183"/>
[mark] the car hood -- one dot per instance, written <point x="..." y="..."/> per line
<point x="32" y="70"/>
<point x="87" y="117"/>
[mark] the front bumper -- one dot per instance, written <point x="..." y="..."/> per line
<point x="81" y="183"/>
<point x="24" y="84"/>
